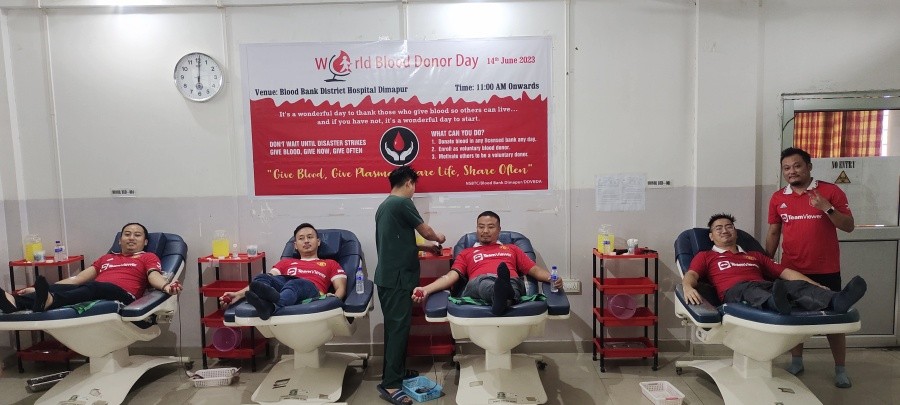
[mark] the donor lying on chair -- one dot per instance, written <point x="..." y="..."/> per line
<point x="122" y="276"/>
<point x="740" y="276"/>
<point x="495" y="271"/>
<point x="117" y="301"/>
<point x="292" y="281"/>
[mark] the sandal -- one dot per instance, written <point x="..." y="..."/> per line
<point x="397" y="398"/>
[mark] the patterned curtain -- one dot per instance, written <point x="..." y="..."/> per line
<point x="839" y="133"/>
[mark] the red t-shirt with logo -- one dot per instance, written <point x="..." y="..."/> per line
<point x="127" y="272"/>
<point x="725" y="269"/>
<point x="484" y="259"/>
<point x="809" y="241"/>
<point x="320" y="271"/>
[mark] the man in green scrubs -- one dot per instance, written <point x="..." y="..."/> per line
<point x="397" y="273"/>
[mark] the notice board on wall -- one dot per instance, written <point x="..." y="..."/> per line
<point x="336" y="118"/>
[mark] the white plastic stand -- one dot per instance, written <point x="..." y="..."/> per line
<point x="518" y="384"/>
<point x="105" y="380"/>
<point x="311" y="378"/>
<point x="498" y="376"/>
<point x="742" y="380"/>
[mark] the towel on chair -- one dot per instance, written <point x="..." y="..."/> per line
<point x="308" y="300"/>
<point x="476" y="301"/>
<point x="82" y="307"/>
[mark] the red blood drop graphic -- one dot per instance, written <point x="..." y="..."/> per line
<point x="398" y="142"/>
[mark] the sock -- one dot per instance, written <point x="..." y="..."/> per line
<point x="852" y="292"/>
<point x="6" y="306"/>
<point x="841" y="380"/>
<point x="502" y="291"/>
<point x="41" y="293"/>
<point x="265" y="291"/>
<point x="779" y="298"/>
<point x="796" y="366"/>
<point x="263" y="308"/>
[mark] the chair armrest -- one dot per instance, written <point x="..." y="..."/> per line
<point x="357" y="305"/>
<point x="704" y="314"/>
<point x="145" y="306"/>
<point x="436" y="306"/>
<point x="557" y="302"/>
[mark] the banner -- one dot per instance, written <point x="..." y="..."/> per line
<point x="337" y="118"/>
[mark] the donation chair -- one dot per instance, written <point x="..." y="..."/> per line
<point x="499" y="376"/>
<point x="311" y="375"/>
<point x="756" y="336"/>
<point x="104" y="331"/>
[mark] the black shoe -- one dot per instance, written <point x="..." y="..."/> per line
<point x="6" y="306"/>
<point x="502" y="291"/>
<point x="780" y="298"/>
<point x="263" y="308"/>
<point x="265" y="291"/>
<point x="41" y="293"/>
<point x="852" y="292"/>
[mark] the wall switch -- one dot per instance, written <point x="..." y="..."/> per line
<point x="572" y="286"/>
<point x="122" y="192"/>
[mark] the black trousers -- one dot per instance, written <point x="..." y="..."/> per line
<point x="801" y="294"/>
<point x="396" y="306"/>
<point x="68" y="294"/>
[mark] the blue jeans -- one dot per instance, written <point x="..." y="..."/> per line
<point x="482" y="287"/>
<point x="69" y="294"/>
<point x="292" y="290"/>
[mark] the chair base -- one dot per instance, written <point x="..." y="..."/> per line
<point x="520" y="384"/>
<point x="107" y="386"/>
<point x="287" y="384"/>
<point x="752" y="385"/>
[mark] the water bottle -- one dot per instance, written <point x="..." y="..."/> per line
<point x="554" y="275"/>
<point x="360" y="287"/>
<point x="59" y="252"/>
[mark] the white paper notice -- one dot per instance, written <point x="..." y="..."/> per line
<point x="621" y="192"/>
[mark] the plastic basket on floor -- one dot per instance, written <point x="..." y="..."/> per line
<point x="662" y="393"/>
<point x="421" y="389"/>
<point x="215" y="377"/>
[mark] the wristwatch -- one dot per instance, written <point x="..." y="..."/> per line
<point x="830" y="210"/>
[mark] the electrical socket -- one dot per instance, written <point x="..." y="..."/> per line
<point x="572" y="286"/>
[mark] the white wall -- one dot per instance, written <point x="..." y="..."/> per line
<point x="680" y="90"/>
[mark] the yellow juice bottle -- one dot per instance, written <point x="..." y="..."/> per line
<point x="220" y="245"/>
<point x="605" y="240"/>
<point x="419" y="241"/>
<point x="32" y="244"/>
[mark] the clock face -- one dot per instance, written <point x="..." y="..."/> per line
<point x="198" y="76"/>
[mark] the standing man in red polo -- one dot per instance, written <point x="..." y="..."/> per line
<point x="807" y="213"/>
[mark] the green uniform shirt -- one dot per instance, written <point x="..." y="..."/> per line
<point x="395" y="241"/>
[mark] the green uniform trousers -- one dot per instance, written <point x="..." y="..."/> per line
<point x="396" y="305"/>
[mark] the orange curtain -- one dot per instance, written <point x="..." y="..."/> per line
<point x="839" y="133"/>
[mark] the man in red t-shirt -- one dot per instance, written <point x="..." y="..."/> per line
<point x="121" y="277"/>
<point x="807" y="213"/>
<point x="291" y="281"/>
<point x="740" y="276"/>
<point x="493" y="269"/>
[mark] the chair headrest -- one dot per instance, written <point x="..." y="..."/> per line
<point x="695" y="240"/>
<point x="506" y="237"/>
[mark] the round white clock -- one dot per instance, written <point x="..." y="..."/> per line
<point x="198" y="76"/>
